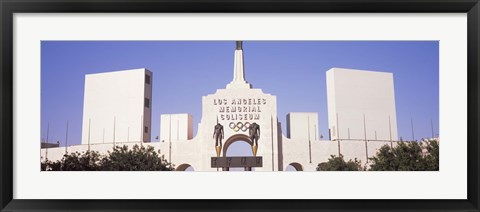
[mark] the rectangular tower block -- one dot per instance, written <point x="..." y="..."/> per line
<point x="361" y="105"/>
<point x="117" y="107"/>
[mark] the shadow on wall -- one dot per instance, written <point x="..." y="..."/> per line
<point x="280" y="145"/>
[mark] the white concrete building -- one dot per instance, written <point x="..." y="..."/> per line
<point x="302" y="125"/>
<point x="117" y="107"/>
<point x="351" y="94"/>
<point x="176" y="127"/>
<point x="361" y="105"/>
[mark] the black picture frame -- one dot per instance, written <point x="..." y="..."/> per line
<point x="9" y="7"/>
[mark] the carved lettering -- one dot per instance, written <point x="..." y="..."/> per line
<point x="243" y="109"/>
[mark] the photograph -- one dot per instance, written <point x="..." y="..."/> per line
<point x="240" y="105"/>
<point x="163" y="105"/>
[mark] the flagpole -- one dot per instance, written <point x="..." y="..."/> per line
<point x="66" y="140"/>
<point x="365" y="134"/>
<point x="390" y="129"/>
<point x="309" y="142"/>
<point x="413" y="135"/>
<point x="46" y="145"/>
<point x="89" y="135"/>
<point x="114" y="119"/>
<point x="141" y="131"/>
<point x="338" y="136"/>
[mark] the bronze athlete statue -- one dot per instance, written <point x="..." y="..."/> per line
<point x="254" y="131"/>
<point x="218" y="135"/>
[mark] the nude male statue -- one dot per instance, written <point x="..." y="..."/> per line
<point x="254" y="131"/>
<point x="218" y="134"/>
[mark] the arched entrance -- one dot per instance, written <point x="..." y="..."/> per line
<point x="235" y="138"/>
<point x="238" y="145"/>
<point x="184" y="167"/>
<point x="294" y="167"/>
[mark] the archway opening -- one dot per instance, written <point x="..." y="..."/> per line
<point x="185" y="167"/>
<point x="238" y="149"/>
<point x="237" y="146"/>
<point x="235" y="139"/>
<point x="294" y="167"/>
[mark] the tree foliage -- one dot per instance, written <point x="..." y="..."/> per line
<point x="335" y="163"/>
<point x="432" y="158"/>
<point x="119" y="159"/>
<point x="407" y="156"/>
<point x="136" y="159"/>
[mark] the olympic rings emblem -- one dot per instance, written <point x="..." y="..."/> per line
<point x="239" y="126"/>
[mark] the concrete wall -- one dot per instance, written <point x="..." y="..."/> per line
<point x="308" y="154"/>
<point x="361" y="104"/>
<point x="176" y="127"/>
<point x="115" y="107"/>
<point x="302" y="125"/>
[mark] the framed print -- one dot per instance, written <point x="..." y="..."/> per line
<point x="266" y="105"/>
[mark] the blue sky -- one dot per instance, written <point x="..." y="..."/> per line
<point x="184" y="71"/>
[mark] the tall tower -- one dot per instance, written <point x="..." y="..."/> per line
<point x="361" y="105"/>
<point x="117" y="107"/>
<point x="238" y="71"/>
<point x="236" y="108"/>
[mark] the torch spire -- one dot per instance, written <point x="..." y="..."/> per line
<point x="238" y="70"/>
